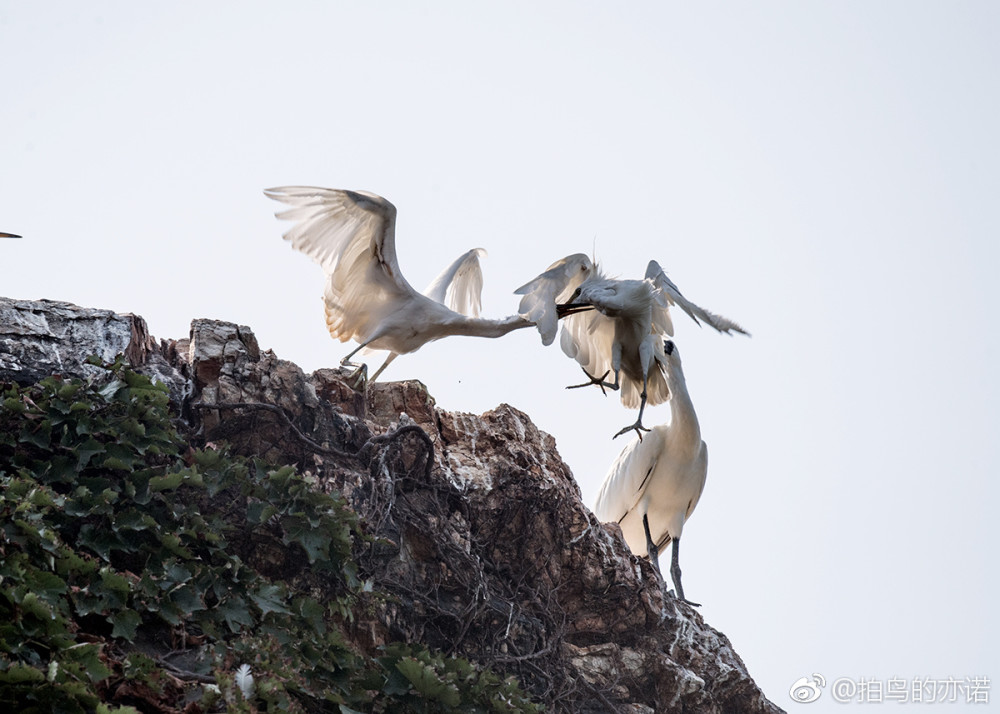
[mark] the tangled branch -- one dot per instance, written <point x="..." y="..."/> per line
<point x="283" y="418"/>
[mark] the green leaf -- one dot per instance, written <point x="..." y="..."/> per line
<point x="125" y="623"/>
<point x="40" y="435"/>
<point x="271" y="598"/>
<point x="427" y="682"/>
<point x="166" y="483"/>
<point x="312" y="613"/>
<point x="88" y="656"/>
<point x="236" y="613"/>
<point x="86" y="450"/>
<point x="48" y="586"/>
<point x="19" y="673"/>
<point x="259" y="512"/>
<point x="15" y="405"/>
<point x="314" y="541"/>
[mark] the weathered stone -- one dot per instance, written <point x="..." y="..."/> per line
<point x="39" y="338"/>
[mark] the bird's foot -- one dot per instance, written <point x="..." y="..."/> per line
<point x="599" y="381"/>
<point x="672" y="593"/>
<point x="685" y="600"/>
<point x="358" y="378"/>
<point x="637" y="427"/>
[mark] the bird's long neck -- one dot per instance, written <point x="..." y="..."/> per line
<point x="684" y="428"/>
<point x="484" y="327"/>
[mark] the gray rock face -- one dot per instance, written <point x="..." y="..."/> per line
<point x="47" y="337"/>
<point x="482" y="537"/>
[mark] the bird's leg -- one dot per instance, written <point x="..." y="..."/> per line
<point x="390" y="358"/>
<point x="638" y="427"/>
<point x="347" y="360"/>
<point x="358" y="379"/>
<point x="651" y="550"/>
<point x="675" y="574"/>
<point x="599" y="381"/>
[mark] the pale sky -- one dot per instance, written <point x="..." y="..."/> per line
<point x="824" y="173"/>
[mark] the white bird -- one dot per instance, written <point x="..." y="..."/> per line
<point x="655" y="483"/>
<point x="619" y="326"/>
<point x="351" y="234"/>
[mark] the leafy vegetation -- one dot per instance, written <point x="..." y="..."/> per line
<point x="124" y="551"/>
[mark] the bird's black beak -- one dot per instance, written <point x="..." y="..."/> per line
<point x="570" y="308"/>
<point x="668" y="346"/>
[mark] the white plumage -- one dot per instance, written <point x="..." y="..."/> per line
<point x="351" y="234"/>
<point x="654" y="485"/>
<point x="244" y="680"/>
<point x="555" y="285"/>
<point x="624" y="332"/>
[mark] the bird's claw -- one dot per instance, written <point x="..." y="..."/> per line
<point x="357" y="379"/>
<point x="599" y="381"/>
<point x="681" y="598"/>
<point x="637" y="427"/>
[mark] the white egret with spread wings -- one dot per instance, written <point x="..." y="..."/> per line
<point x="351" y="234"/>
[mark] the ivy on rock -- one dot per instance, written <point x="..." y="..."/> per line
<point x="132" y="564"/>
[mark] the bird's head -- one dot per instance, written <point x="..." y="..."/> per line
<point x="672" y="354"/>
<point x="593" y="293"/>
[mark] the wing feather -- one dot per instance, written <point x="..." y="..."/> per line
<point x="670" y="295"/>
<point x="351" y="234"/>
<point x="553" y="286"/>
<point x="624" y="484"/>
<point x="587" y="337"/>
<point x="460" y="285"/>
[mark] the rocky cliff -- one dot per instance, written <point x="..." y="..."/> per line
<point x="480" y="534"/>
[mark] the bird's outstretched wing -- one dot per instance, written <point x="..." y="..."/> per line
<point x="626" y="479"/>
<point x="587" y="337"/>
<point x="460" y="285"/>
<point x="351" y="234"/>
<point x="553" y="286"/>
<point x="668" y="294"/>
<point x="341" y="228"/>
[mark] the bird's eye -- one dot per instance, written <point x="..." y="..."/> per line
<point x="576" y="293"/>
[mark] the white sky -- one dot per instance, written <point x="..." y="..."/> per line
<point x="824" y="173"/>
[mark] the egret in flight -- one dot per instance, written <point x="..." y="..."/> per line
<point x="655" y="483"/>
<point x="619" y="326"/>
<point x="351" y="234"/>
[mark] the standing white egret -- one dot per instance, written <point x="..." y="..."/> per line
<point x="351" y="234"/>
<point x="619" y="326"/>
<point x="655" y="483"/>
